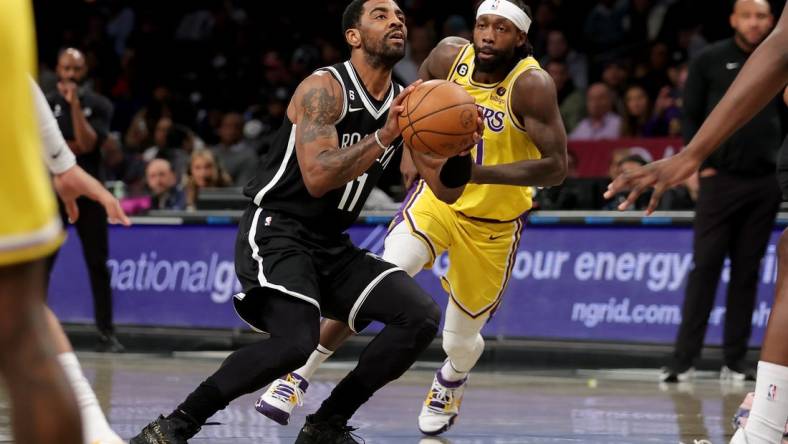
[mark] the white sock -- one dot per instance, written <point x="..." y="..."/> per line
<point x="449" y="373"/>
<point x="94" y="424"/>
<point x="770" y="405"/>
<point x="315" y="359"/>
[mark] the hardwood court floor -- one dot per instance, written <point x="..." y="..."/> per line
<point x="505" y="407"/>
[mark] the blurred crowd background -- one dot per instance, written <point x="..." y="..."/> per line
<point x="202" y="85"/>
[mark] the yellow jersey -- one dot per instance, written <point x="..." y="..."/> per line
<point x="29" y="226"/>
<point x="504" y="141"/>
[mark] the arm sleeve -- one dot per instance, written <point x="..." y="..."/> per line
<point x="57" y="156"/>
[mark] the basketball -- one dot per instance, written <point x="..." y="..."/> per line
<point x="439" y="118"/>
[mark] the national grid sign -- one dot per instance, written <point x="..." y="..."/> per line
<point x="586" y="282"/>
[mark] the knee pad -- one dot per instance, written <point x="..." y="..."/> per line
<point x="404" y="250"/>
<point x="457" y="346"/>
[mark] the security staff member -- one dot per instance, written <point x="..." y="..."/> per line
<point x="737" y="202"/>
<point x="83" y="117"/>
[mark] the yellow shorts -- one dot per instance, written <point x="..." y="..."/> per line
<point x="481" y="253"/>
<point x="29" y="227"/>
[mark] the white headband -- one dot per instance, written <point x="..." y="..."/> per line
<point x="507" y="10"/>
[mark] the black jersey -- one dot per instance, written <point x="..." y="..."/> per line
<point x="279" y="185"/>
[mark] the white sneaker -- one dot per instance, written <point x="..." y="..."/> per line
<point x="737" y="374"/>
<point x="739" y="437"/>
<point x="282" y="396"/>
<point x="442" y="405"/>
<point x="671" y="375"/>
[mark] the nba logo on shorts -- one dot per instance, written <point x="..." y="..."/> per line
<point x="268" y="221"/>
<point x="771" y="395"/>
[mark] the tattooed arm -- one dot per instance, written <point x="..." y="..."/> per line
<point x="315" y="109"/>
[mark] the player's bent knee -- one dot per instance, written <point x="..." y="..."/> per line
<point x="427" y="315"/>
<point x="404" y="250"/>
<point x="459" y="346"/>
<point x="300" y="347"/>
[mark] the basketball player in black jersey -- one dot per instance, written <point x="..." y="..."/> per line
<point x="292" y="256"/>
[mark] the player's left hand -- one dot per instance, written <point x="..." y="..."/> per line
<point x="75" y="182"/>
<point x="660" y="175"/>
<point x="391" y="129"/>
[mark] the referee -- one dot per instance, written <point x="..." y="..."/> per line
<point x="83" y="117"/>
<point x="737" y="202"/>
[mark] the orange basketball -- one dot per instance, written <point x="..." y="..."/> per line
<point x="439" y="118"/>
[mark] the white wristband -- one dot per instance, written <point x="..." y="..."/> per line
<point x="380" y="144"/>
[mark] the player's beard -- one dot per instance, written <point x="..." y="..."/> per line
<point x="382" y="54"/>
<point x="500" y="59"/>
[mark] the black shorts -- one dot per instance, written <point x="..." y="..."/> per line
<point x="275" y="251"/>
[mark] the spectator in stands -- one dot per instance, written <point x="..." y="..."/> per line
<point x="119" y="165"/>
<point x="179" y="143"/>
<point x="571" y="100"/>
<point x="139" y="135"/>
<point x="602" y="122"/>
<point x="666" y="119"/>
<point x="204" y="172"/>
<point x="604" y="26"/>
<point x="160" y="131"/>
<point x="615" y="74"/>
<point x="305" y="59"/>
<point x="235" y="155"/>
<point x="644" y="20"/>
<point x="637" y="112"/>
<point x="558" y="50"/>
<point x="653" y="74"/>
<point x="545" y="17"/>
<point x="163" y="186"/>
<point x="456" y="25"/>
<point x="421" y="40"/>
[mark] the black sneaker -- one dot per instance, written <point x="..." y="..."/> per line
<point x="108" y="343"/>
<point x="166" y="431"/>
<point x="674" y="374"/>
<point x="738" y="371"/>
<point x="332" y="431"/>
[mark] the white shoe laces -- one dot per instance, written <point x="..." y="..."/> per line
<point x="442" y="395"/>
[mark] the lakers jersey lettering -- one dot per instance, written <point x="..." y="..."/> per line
<point x="505" y="140"/>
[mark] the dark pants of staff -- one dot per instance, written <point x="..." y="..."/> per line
<point x="92" y="228"/>
<point x="734" y="218"/>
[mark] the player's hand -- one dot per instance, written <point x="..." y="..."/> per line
<point x="408" y="169"/>
<point x="660" y="175"/>
<point x="75" y="182"/>
<point x="478" y="134"/>
<point x="68" y="90"/>
<point x="391" y="129"/>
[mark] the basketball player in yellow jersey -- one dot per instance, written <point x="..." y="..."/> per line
<point x="44" y="408"/>
<point x="523" y="145"/>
